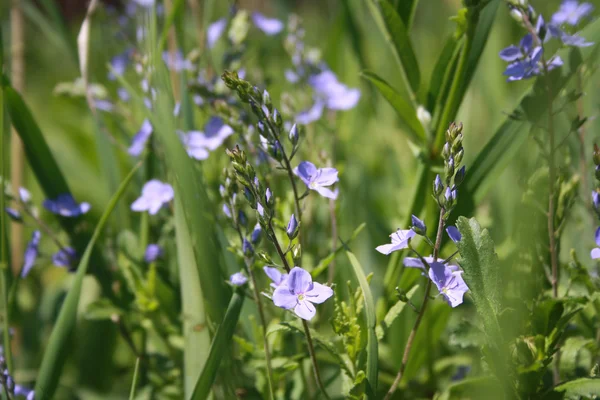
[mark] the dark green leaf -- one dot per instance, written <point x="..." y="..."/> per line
<point x="406" y="10"/>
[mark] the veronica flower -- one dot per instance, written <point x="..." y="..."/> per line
<point x="13" y="214"/>
<point x="270" y="26"/>
<point x="118" y="65"/>
<point x="277" y="277"/>
<point x="66" y="206"/>
<point x="317" y="178"/>
<point x="139" y="140"/>
<point x="24" y="195"/>
<point x="214" y="31"/>
<point x="566" y="39"/>
<point x="153" y="251"/>
<point x="595" y="253"/>
<point x="155" y="194"/>
<point x="103" y="105"/>
<point x="300" y="292"/>
<point x="454" y="234"/>
<point x="329" y="93"/>
<point x="199" y="144"/>
<point x="400" y="240"/>
<point x="238" y="279"/>
<point x="256" y="234"/>
<point x="449" y="281"/>
<point x="31" y="253"/>
<point x="64" y="257"/>
<point x="177" y="62"/>
<point x="571" y="12"/>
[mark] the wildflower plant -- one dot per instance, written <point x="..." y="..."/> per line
<point x="249" y="221"/>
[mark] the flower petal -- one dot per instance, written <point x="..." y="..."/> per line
<point x="319" y="293"/>
<point x="215" y="30"/>
<point x="270" y="26"/>
<point x="330" y="194"/>
<point x="305" y="310"/>
<point x="326" y="176"/>
<point x="299" y="281"/>
<point x="595" y="254"/>
<point x="283" y="297"/>
<point x="273" y="274"/>
<point x="305" y="171"/>
<point x="454" y="234"/>
<point x="388" y="248"/>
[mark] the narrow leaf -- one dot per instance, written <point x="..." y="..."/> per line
<point x="405" y="110"/>
<point x="372" y="347"/>
<point x="406" y="10"/>
<point x="59" y="344"/>
<point x="219" y="347"/>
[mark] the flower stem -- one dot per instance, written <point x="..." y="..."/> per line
<point x="413" y="332"/>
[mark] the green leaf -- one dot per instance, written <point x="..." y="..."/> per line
<point x="473" y="388"/>
<point x="393" y="313"/>
<point x="195" y="330"/>
<point x="405" y="110"/>
<point x="59" y="344"/>
<point x="396" y="34"/>
<point x="219" y="347"/>
<point x="406" y="10"/>
<point x="372" y="347"/>
<point x="580" y="387"/>
<point x="102" y="309"/>
<point x="135" y="379"/>
<point x="480" y="264"/>
<point x="324" y="263"/>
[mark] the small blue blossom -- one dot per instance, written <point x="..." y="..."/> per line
<point x="24" y="195"/>
<point x="400" y="240"/>
<point x="226" y="211"/>
<point x="453" y="234"/>
<point x="270" y="26"/>
<point x="118" y="65"/>
<point x="299" y="292"/>
<point x="177" y="62"/>
<point x="31" y="253"/>
<point x="247" y="248"/>
<point x="139" y="140"/>
<point x="64" y="257"/>
<point x="155" y="194"/>
<point x="214" y="31"/>
<point x="256" y="234"/>
<point x="66" y="206"/>
<point x="13" y="214"/>
<point x="571" y="12"/>
<point x="418" y="226"/>
<point x="153" y="251"/>
<point x="123" y="94"/>
<point x="595" y="253"/>
<point x="449" y="281"/>
<point x="277" y="277"/>
<point x="238" y="279"/>
<point x="199" y="144"/>
<point x="318" y="178"/>
<point x="596" y="200"/>
<point x="292" y="227"/>
<point x="103" y="105"/>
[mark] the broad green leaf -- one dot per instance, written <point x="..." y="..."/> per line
<point x="219" y="347"/>
<point x="396" y="34"/>
<point x="570" y="351"/>
<point x="372" y="347"/>
<point x="580" y="387"/>
<point x="195" y="326"/>
<point x="59" y="344"/>
<point x="480" y="264"/>
<point x="392" y="314"/>
<point x="405" y="110"/>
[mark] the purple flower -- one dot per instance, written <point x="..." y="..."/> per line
<point x="199" y="144"/>
<point x="595" y="253"/>
<point x="256" y="234"/>
<point x="300" y="292"/>
<point x="31" y="253"/>
<point x="526" y="67"/>
<point x="177" y="62"/>
<point x="139" y="140"/>
<point x="270" y="26"/>
<point x="277" y="277"/>
<point x="118" y="65"/>
<point x="400" y="240"/>
<point x="29" y="394"/>
<point x="418" y="226"/>
<point x="454" y="234"/>
<point x="596" y="200"/>
<point x="214" y="31"/>
<point x="566" y="39"/>
<point x="238" y="279"/>
<point x="123" y="94"/>
<point x="247" y="248"/>
<point x="145" y="3"/>
<point x="292" y="227"/>
<point x="226" y="211"/>
<point x="154" y="195"/>
<point x="13" y="214"/>
<point x="449" y="281"/>
<point x="317" y="179"/>
<point x="153" y="251"/>
<point x="64" y="257"/>
<point x="571" y="12"/>
<point x="312" y="114"/>
<point x="24" y="195"/>
<point x="66" y="206"/>
<point x="103" y="105"/>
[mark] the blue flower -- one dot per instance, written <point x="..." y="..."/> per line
<point x="571" y="12"/>
<point x="64" y="257"/>
<point x="13" y="214"/>
<point x="595" y="253"/>
<point x="418" y="226"/>
<point x="596" y="200"/>
<point x="177" y="62"/>
<point x="118" y="65"/>
<point x="270" y="26"/>
<point x="153" y="251"/>
<point x="24" y="195"/>
<point x="400" y="240"/>
<point x="199" y="144"/>
<point x="292" y="227"/>
<point x="66" y="206"/>
<point x="256" y="234"/>
<point x="317" y="179"/>
<point x="238" y="279"/>
<point x="449" y="281"/>
<point x="155" y="194"/>
<point x="139" y="140"/>
<point x="277" y="277"/>
<point x="454" y="234"/>
<point x="31" y="253"/>
<point x="299" y="292"/>
<point x="214" y="31"/>
<point x="566" y="39"/>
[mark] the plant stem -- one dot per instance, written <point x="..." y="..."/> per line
<point x="413" y="332"/>
<point x="582" y="165"/>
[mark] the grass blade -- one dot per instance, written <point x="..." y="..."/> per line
<point x="372" y="347"/>
<point x="406" y="10"/>
<point x="404" y="109"/>
<point x="59" y="344"/>
<point x="219" y="347"/>
<point x="135" y="379"/>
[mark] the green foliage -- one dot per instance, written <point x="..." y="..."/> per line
<point x="580" y="387"/>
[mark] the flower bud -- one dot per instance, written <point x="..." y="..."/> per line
<point x="597" y="172"/>
<point x="517" y="15"/>
<point x="247" y="248"/>
<point x="423" y="116"/>
<point x="266" y="99"/>
<point x="596" y="154"/>
<point x="438" y="186"/>
<point x="596" y="201"/>
<point x="256" y="235"/>
<point x="276" y="151"/>
<point x="294" y="134"/>
<point x="250" y="197"/>
<point x="460" y="176"/>
<point x="13" y="214"/>
<point x="270" y="200"/>
<point x="277" y="119"/>
<point x="261" y="128"/>
<point x="457" y="143"/>
<point x="446" y="151"/>
<point x="459" y="156"/>
<point x="256" y="109"/>
<point x="292" y="228"/>
<point x="449" y="169"/>
<point x="222" y="190"/>
<point x="418" y="226"/>
<point x="242" y="219"/>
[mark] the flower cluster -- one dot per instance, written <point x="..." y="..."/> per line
<point x="8" y="384"/>
<point x="527" y="60"/>
<point x="445" y="191"/>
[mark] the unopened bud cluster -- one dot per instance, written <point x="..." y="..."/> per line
<point x="521" y="10"/>
<point x="445" y="190"/>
